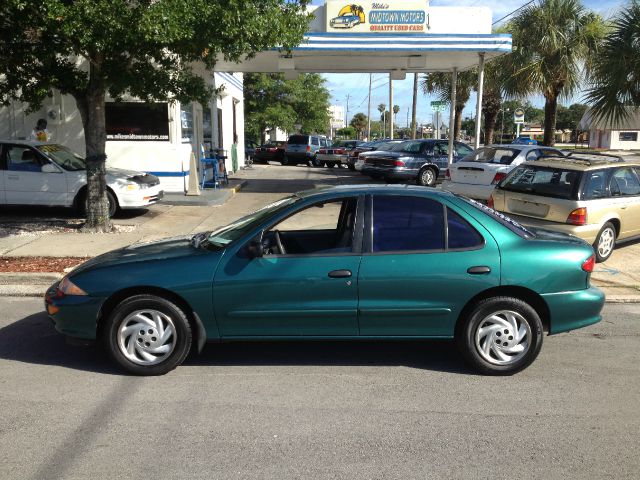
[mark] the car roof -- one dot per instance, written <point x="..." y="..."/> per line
<point x="341" y="190"/>
<point x="584" y="161"/>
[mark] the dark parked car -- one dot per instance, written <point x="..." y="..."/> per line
<point x="352" y="158"/>
<point x="273" y="151"/>
<point x="337" y="153"/>
<point x="420" y="160"/>
<point x="349" y="263"/>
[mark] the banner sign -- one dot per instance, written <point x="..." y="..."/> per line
<point x="387" y="17"/>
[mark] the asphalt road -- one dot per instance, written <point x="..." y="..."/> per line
<point x="320" y="410"/>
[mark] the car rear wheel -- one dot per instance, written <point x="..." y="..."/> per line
<point x="427" y="177"/>
<point x="330" y="164"/>
<point x="147" y="335"/>
<point x="351" y="167"/>
<point x="500" y="336"/>
<point x="284" y="160"/>
<point x="315" y="162"/>
<point x="605" y="242"/>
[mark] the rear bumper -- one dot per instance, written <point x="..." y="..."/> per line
<point x="571" y="310"/>
<point x="331" y="158"/>
<point x="478" y="192"/>
<point x="585" y="232"/>
<point x="396" y="173"/>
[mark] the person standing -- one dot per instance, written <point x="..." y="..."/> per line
<point x="40" y="133"/>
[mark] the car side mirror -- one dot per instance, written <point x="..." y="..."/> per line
<point x="48" y="168"/>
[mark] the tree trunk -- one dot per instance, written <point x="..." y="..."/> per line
<point x="457" y="126"/>
<point x="490" y="119"/>
<point x="91" y="106"/>
<point x="414" y="106"/>
<point x="550" y="110"/>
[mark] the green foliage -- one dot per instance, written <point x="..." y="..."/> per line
<point x="569" y="117"/>
<point x="272" y="101"/>
<point x="360" y="122"/>
<point x="615" y="77"/>
<point x="346" y="132"/>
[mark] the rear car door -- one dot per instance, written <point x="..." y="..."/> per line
<point x="422" y="261"/>
<point x="27" y="184"/>
<point x="625" y="192"/>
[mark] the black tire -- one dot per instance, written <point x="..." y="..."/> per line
<point x="284" y="160"/>
<point x="351" y="167"/>
<point x="180" y="337"/>
<point x="316" y="163"/>
<point x="603" y="251"/>
<point x="427" y="177"/>
<point x="487" y="312"/>
<point x="111" y="198"/>
<point x="330" y="164"/>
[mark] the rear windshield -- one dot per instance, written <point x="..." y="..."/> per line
<point x="508" y="222"/>
<point x="543" y="181"/>
<point x="391" y="146"/>
<point x="500" y="155"/>
<point x="298" y="140"/>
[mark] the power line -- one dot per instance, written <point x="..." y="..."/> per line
<point x="509" y="14"/>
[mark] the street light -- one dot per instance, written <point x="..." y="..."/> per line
<point x="502" y="129"/>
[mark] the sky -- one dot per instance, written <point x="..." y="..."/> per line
<point x="355" y="85"/>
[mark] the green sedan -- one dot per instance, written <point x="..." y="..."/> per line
<point x="351" y="262"/>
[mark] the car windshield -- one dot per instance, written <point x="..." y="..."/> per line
<point x="391" y="146"/>
<point x="499" y="217"/>
<point x="499" y="155"/>
<point x="63" y="157"/>
<point x="298" y="140"/>
<point x="543" y="181"/>
<point x="225" y="235"/>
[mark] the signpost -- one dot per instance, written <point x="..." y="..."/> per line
<point x="438" y="106"/>
<point x="518" y="119"/>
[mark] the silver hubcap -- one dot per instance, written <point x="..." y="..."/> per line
<point x="427" y="177"/>
<point x="606" y="242"/>
<point x="502" y="338"/>
<point x="147" y="337"/>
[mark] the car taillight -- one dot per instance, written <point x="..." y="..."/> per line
<point x="308" y="148"/>
<point x="589" y="263"/>
<point x="447" y="174"/>
<point x="272" y="149"/>
<point x="339" y="151"/>
<point x="499" y="176"/>
<point x="578" y="216"/>
<point x="490" y="202"/>
<point x="398" y="163"/>
<point x="322" y="150"/>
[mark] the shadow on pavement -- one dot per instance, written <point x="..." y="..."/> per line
<point x="34" y="340"/>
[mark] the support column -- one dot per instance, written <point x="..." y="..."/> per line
<point x="369" y="111"/>
<point x="479" y="104"/>
<point x="452" y="113"/>
<point x="390" y="107"/>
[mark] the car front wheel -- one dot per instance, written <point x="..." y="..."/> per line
<point x="500" y="336"/>
<point x="605" y="242"/>
<point x="111" y="199"/>
<point x="147" y="335"/>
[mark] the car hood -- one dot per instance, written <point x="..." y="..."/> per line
<point x="114" y="174"/>
<point x="175" y="247"/>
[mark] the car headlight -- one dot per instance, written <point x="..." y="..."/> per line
<point x="67" y="287"/>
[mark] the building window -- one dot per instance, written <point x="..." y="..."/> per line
<point x="628" y="136"/>
<point x="137" y="121"/>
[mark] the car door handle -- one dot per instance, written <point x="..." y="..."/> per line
<point x="340" y="273"/>
<point x="13" y="177"/>
<point x="478" y="270"/>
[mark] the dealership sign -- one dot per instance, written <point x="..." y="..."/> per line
<point x="384" y="17"/>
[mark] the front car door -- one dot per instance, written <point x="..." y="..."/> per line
<point x="27" y="184"/>
<point x="305" y="284"/>
<point x="422" y="261"/>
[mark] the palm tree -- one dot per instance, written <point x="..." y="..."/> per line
<point x="553" y="43"/>
<point x="615" y="78"/>
<point x="381" y="108"/>
<point x="440" y="84"/>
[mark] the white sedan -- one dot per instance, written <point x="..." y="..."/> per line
<point x="476" y="175"/>
<point x="35" y="173"/>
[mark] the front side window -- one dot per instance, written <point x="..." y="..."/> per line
<point x="441" y="149"/>
<point x="23" y="159"/>
<point x="462" y="149"/>
<point x="322" y="228"/>
<point x="407" y="223"/>
<point x="624" y="182"/>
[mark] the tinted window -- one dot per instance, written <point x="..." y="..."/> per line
<point x="407" y="223"/>
<point x="315" y="141"/>
<point x="595" y="185"/>
<point x="544" y="181"/>
<point x="501" y="155"/>
<point x="460" y="233"/>
<point x="298" y="140"/>
<point x="441" y="149"/>
<point x="624" y="182"/>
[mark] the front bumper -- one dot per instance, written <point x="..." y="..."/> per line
<point x="577" y="309"/>
<point x="74" y="316"/>
<point x="324" y="157"/>
<point x="139" y="198"/>
<point x="478" y="192"/>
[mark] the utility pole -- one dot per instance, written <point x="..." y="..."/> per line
<point x="346" y="114"/>
<point x="369" y="111"/>
<point x="414" y="106"/>
<point x="390" y="107"/>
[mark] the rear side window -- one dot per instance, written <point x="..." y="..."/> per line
<point x="460" y="233"/>
<point x="407" y="223"/>
<point x="595" y="185"/>
<point x="543" y="181"/>
<point x="315" y="141"/>
<point x="298" y="140"/>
